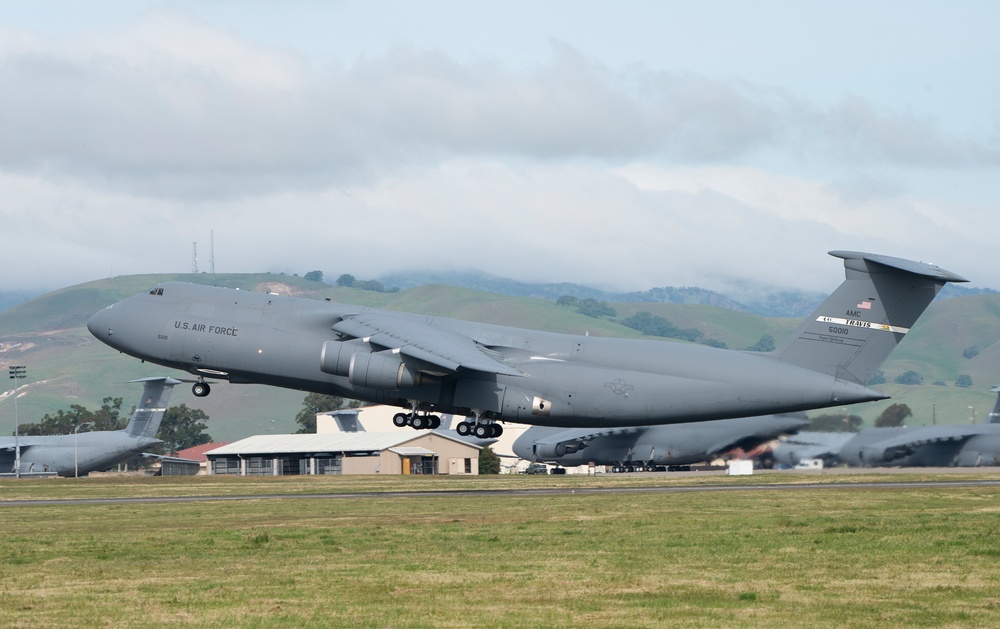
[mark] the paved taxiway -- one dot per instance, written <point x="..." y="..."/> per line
<point x="554" y="491"/>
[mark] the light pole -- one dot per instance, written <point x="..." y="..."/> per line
<point x="17" y="373"/>
<point x="76" y="465"/>
<point x="973" y="409"/>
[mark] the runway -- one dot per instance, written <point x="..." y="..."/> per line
<point x="518" y="493"/>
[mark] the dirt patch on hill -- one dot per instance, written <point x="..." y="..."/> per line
<point x="278" y="289"/>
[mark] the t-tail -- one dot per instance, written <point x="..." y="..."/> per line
<point x="852" y="333"/>
<point x="145" y="421"/>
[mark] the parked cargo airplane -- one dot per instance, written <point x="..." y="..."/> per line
<point x="642" y="448"/>
<point x="80" y="454"/>
<point x="495" y="373"/>
<point x="943" y="445"/>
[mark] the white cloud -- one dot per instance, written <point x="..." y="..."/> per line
<point x="123" y="146"/>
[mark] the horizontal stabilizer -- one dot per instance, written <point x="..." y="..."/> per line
<point x="924" y="269"/>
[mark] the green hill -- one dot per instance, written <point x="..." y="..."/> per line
<point x="67" y="366"/>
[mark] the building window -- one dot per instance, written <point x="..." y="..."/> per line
<point x="329" y="465"/>
<point x="259" y="466"/>
<point x="225" y="465"/>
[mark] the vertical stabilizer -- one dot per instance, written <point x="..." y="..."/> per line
<point x="145" y="421"/>
<point x="852" y="333"/>
<point x="994" y="417"/>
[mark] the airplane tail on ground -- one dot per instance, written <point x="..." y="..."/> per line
<point x="145" y="421"/>
<point x="852" y="333"/>
<point x="994" y="417"/>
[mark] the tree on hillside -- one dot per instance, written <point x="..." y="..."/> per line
<point x="372" y="285"/>
<point x="835" y="423"/>
<point x="314" y="276"/>
<point x="764" y="344"/>
<point x="318" y="403"/>
<point x="878" y="378"/>
<point x="909" y="377"/>
<point x="596" y="309"/>
<point x="568" y="300"/>
<point x="893" y="415"/>
<point x="964" y="381"/>
<point x="655" y="325"/>
<point x="345" y="280"/>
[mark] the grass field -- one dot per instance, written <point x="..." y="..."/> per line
<point x="915" y="557"/>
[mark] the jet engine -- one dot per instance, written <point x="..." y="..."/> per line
<point x="549" y="451"/>
<point x="365" y="368"/>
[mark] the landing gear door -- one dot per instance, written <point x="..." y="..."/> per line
<point x="480" y="394"/>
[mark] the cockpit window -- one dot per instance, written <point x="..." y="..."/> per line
<point x="156" y="291"/>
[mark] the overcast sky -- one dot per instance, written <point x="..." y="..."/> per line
<point x="618" y="144"/>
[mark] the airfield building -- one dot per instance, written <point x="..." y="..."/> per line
<point x="411" y="452"/>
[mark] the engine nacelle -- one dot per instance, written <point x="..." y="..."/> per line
<point x="550" y="451"/>
<point x="383" y="370"/>
<point x="335" y="357"/>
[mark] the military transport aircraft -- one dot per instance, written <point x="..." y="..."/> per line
<point x="645" y="448"/>
<point x="944" y="445"/>
<point x="80" y="454"/>
<point x="495" y="373"/>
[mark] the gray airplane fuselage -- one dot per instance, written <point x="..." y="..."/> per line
<point x="498" y="373"/>
<point x="968" y="445"/>
<point x="66" y="454"/>
<point x="679" y="444"/>
<point x="947" y="445"/>
<point x="553" y="379"/>
<point x="80" y="453"/>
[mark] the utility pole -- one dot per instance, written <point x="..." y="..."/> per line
<point x="194" y="257"/>
<point x="17" y="373"/>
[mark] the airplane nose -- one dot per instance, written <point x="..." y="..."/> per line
<point x="100" y="323"/>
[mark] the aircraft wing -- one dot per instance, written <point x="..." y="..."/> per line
<point x="750" y="432"/>
<point x="906" y="441"/>
<point x="575" y="439"/>
<point x="163" y="457"/>
<point x="450" y="352"/>
<point x="25" y="442"/>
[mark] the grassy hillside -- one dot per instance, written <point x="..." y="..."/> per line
<point x="67" y="366"/>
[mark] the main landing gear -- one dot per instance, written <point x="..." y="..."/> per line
<point x="416" y="420"/>
<point x="480" y="429"/>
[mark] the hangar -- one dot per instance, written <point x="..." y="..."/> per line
<point x="412" y="452"/>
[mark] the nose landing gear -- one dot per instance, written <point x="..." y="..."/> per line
<point x="201" y="388"/>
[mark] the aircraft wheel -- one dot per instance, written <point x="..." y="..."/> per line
<point x="497" y="431"/>
<point x="400" y="419"/>
<point x="435" y="422"/>
<point x="464" y="428"/>
<point x="201" y="389"/>
<point x="482" y="431"/>
<point x="419" y="422"/>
